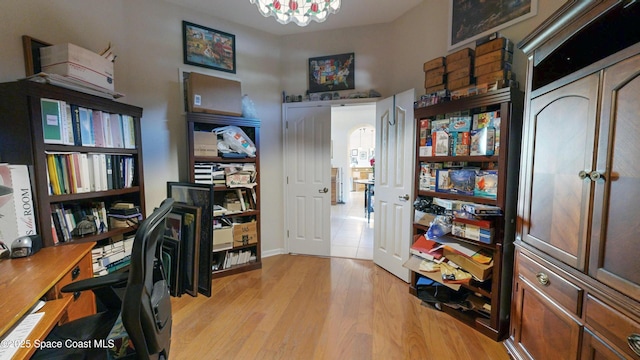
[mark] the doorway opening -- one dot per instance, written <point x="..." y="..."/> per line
<point x="353" y="146"/>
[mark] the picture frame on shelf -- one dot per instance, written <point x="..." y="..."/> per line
<point x="190" y="221"/>
<point x="171" y="257"/>
<point x="173" y="226"/>
<point x="331" y="73"/>
<point x="200" y="195"/>
<point x="208" y="48"/>
<point x="471" y="20"/>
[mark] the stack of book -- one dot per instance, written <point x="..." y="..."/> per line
<point x="112" y="257"/>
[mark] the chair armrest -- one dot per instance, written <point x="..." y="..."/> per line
<point x="96" y="282"/>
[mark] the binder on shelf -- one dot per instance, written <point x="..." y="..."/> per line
<point x="116" y="130"/>
<point x="75" y="121"/>
<point x="98" y="128"/>
<point x="51" y="122"/>
<point x="67" y="123"/>
<point x="87" y="137"/>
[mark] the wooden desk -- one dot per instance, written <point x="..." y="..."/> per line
<point x="24" y="281"/>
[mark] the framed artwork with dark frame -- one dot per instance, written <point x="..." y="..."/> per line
<point x="200" y="195"/>
<point x="471" y="20"/>
<point x="331" y="73"/>
<point x="190" y="219"/>
<point x="31" y="48"/>
<point x="171" y="257"/>
<point x="209" y="48"/>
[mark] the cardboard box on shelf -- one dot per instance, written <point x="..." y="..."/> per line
<point x="78" y="63"/>
<point x="245" y="233"/>
<point x="205" y="143"/>
<point x="214" y="95"/>
<point x="222" y="238"/>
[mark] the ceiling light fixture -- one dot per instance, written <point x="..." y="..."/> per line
<point x="300" y="12"/>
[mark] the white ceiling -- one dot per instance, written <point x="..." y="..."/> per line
<point x="352" y="13"/>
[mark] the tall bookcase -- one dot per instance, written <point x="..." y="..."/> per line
<point x="22" y="141"/>
<point x="496" y="291"/>
<point x="247" y="252"/>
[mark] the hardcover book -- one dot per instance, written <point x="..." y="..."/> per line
<point x="16" y="203"/>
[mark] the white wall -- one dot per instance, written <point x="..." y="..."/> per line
<point x="148" y="40"/>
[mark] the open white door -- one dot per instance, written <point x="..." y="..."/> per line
<point x="308" y="177"/>
<point x="394" y="183"/>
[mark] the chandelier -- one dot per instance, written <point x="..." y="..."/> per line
<point x="300" y="12"/>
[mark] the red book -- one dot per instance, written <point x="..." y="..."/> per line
<point x="427" y="249"/>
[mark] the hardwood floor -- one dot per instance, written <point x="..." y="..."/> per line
<point x="304" y="307"/>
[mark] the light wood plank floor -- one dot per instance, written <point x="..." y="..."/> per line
<point x="304" y="307"/>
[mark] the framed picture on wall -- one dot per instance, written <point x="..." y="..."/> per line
<point x="208" y="48"/>
<point x="471" y="20"/>
<point x="331" y="73"/>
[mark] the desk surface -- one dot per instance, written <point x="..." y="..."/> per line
<point x="24" y="281"/>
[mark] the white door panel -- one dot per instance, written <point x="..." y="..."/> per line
<point x="394" y="183"/>
<point x="308" y="165"/>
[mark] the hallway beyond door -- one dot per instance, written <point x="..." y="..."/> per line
<point x="351" y="236"/>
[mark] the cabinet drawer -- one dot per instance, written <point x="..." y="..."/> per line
<point x="611" y="324"/>
<point x="83" y="303"/>
<point x="550" y="283"/>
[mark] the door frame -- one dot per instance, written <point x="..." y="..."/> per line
<point x="305" y="104"/>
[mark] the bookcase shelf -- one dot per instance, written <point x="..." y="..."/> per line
<point x="23" y="142"/>
<point x="495" y="290"/>
<point x="251" y="127"/>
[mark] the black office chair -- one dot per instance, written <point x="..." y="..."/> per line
<point x="145" y="308"/>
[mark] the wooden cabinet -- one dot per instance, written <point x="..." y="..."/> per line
<point x="495" y="292"/>
<point x="239" y="223"/>
<point x="23" y="142"/>
<point x="579" y="182"/>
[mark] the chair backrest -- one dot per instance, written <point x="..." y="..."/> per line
<point x="146" y="308"/>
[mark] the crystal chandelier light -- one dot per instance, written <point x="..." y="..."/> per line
<point x="300" y="12"/>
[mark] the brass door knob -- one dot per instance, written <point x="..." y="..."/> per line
<point x="543" y="278"/>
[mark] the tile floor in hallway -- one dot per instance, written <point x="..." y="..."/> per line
<point x="351" y="235"/>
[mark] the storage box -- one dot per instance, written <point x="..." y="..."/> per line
<point x="245" y="233"/>
<point x="205" y="143"/>
<point x="214" y="95"/>
<point x="432" y="64"/>
<point x="77" y="63"/>
<point x="222" y="238"/>
<point x="482" y="141"/>
<point x="423" y="218"/>
<point x="481" y="271"/>
<point x="486" y="184"/>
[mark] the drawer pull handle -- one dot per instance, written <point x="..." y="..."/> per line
<point x="634" y="343"/>
<point x="75" y="273"/>
<point x="543" y="278"/>
<point x="583" y="174"/>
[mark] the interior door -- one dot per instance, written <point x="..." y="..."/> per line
<point x="308" y="176"/>
<point x="395" y="151"/>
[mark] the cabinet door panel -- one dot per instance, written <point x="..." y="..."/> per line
<point x="614" y="260"/>
<point x="593" y="348"/>
<point x="560" y="136"/>
<point x="542" y="329"/>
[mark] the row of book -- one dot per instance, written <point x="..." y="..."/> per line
<point x="66" y="217"/>
<point x="69" y="124"/>
<point x="234" y="258"/>
<point x="75" y="172"/>
<point x="112" y="257"/>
